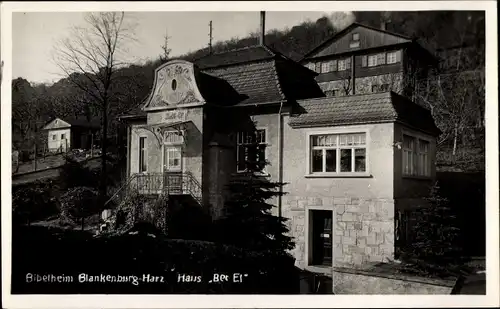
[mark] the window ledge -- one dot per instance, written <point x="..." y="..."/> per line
<point x="339" y="175"/>
<point x="264" y="174"/>
<point x="417" y="177"/>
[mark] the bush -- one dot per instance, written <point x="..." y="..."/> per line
<point x="34" y="201"/>
<point x="79" y="203"/>
<point x="267" y="272"/>
<point x="75" y="174"/>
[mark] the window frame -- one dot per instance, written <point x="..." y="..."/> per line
<point x="143" y="154"/>
<point x="263" y="172"/>
<point x="54" y="137"/>
<point x="338" y="174"/>
<point x="373" y="56"/>
<point x="353" y="36"/>
<point x="325" y="66"/>
<point x="63" y="136"/>
<point x="395" y="53"/>
<point x="416" y="156"/>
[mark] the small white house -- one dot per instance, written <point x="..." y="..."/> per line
<point x="70" y="133"/>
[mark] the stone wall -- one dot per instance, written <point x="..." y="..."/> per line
<point x="364" y="282"/>
<point x="363" y="228"/>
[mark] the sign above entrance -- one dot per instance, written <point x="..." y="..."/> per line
<point x="175" y="84"/>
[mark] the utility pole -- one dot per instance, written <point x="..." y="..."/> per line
<point x="210" y="38"/>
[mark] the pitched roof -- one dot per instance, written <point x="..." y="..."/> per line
<point x="235" y="56"/>
<point x="346" y="29"/>
<point x="262" y="75"/>
<point x="363" y="109"/>
<point x="77" y="121"/>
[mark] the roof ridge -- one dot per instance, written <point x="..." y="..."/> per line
<point x="278" y="84"/>
<point x="378" y="94"/>
<point x="307" y="54"/>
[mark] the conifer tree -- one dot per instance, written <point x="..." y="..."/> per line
<point x="436" y="245"/>
<point x="249" y="221"/>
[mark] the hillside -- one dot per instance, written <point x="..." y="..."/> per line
<point x="457" y="38"/>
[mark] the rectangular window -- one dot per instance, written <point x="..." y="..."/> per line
<point x="372" y="60"/>
<point x="325" y="67"/>
<point x="63" y="136"/>
<point x="392" y="57"/>
<point x="355" y="36"/>
<point x="318" y="67"/>
<point x="174" y="157"/>
<point x="375" y="88"/>
<point x="310" y="66"/>
<point x="354" y="44"/>
<point x="244" y="142"/>
<point x="173" y="137"/>
<point x="381" y="59"/>
<point x="342" y="65"/>
<point x="338" y="153"/>
<point x="415" y="156"/>
<point x="142" y="155"/>
<point x="333" y="65"/>
<point x="54" y="137"/>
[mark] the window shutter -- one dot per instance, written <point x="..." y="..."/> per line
<point x="364" y="61"/>
<point x="398" y="55"/>
<point x="381" y="58"/>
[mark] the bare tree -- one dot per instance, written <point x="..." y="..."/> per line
<point x="89" y="57"/>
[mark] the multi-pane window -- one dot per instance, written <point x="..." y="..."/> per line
<point x="174" y="137"/>
<point x="355" y="36"/>
<point x="142" y="155"/>
<point x="247" y="141"/>
<point x="392" y="57"/>
<point x="381" y="59"/>
<point x="415" y="156"/>
<point x="333" y="65"/>
<point x="344" y="64"/>
<point x="338" y="153"/>
<point x="173" y="158"/>
<point x="311" y="66"/>
<point x="318" y="67"/>
<point x="325" y="67"/>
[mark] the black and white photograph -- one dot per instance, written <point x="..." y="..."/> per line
<point x="250" y="151"/>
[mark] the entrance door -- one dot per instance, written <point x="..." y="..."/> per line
<point x="172" y="169"/>
<point x="322" y="237"/>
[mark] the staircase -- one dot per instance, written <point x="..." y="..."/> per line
<point x="146" y="197"/>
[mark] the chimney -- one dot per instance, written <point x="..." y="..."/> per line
<point x="262" y="28"/>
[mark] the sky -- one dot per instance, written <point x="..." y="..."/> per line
<point x="35" y="33"/>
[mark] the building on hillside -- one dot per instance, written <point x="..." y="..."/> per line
<point x="361" y="59"/>
<point x="64" y="134"/>
<point x="351" y="163"/>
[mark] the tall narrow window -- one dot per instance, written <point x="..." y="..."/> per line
<point x="372" y="60"/>
<point x="142" y="155"/>
<point x="381" y="59"/>
<point x="325" y="67"/>
<point x="393" y="57"/>
<point x="243" y="142"/>
<point x="364" y="61"/>
<point x="416" y="157"/>
<point x="318" y="67"/>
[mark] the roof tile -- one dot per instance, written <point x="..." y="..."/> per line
<point x="360" y="109"/>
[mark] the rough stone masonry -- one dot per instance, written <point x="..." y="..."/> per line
<point x="363" y="228"/>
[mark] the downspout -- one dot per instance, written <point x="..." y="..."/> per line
<point x="129" y="131"/>
<point x="280" y="157"/>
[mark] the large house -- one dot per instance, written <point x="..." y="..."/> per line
<point x="352" y="160"/>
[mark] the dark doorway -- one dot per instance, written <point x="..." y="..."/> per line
<point x="322" y="237"/>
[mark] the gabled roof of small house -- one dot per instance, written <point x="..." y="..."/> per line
<point x="327" y="47"/>
<point x="262" y="75"/>
<point x="78" y="121"/>
<point x="363" y="109"/>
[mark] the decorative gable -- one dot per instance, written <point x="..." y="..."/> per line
<point x="174" y="85"/>
<point x="357" y="37"/>
<point x="57" y="123"/>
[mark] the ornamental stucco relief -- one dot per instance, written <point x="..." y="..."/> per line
<point x="174" y="85"/>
